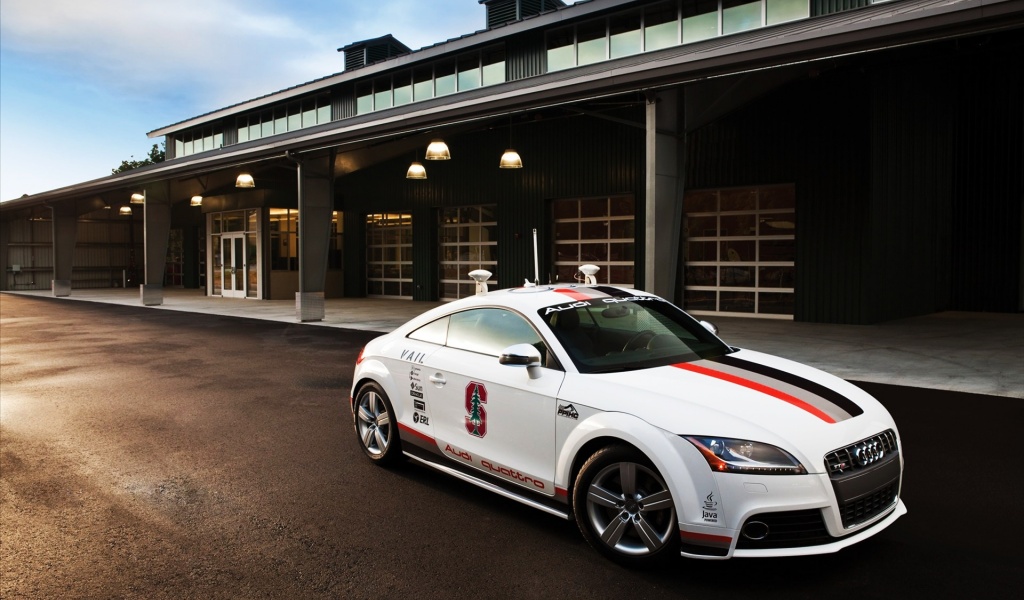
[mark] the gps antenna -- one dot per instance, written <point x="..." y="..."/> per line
<point x="480" y="276"/>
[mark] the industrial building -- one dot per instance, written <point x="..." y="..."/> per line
<point x="833" y="161"/>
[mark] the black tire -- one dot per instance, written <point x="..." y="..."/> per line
<point x="624" y="508"/>
<point x="375" y="425"/>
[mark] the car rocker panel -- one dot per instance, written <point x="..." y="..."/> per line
<point x="761" y="456"/>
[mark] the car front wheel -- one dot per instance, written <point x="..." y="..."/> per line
<point x="375" y="425"/>
<point x="624" y="508"/>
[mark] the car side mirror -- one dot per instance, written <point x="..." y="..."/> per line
<point x="710" y="327"/>
<point x="522" y="355"/>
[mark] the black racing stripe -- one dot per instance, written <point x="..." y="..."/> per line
<point x="613" y="292"/>
<point x="795" y="380"/>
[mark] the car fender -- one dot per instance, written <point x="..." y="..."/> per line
<point x="685" y="471"/>
<point x="374" y="370"/>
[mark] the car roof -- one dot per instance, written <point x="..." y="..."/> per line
<point x="536" y="297"/>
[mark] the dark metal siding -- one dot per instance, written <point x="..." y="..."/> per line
<point x="343" y="103"/>
<point x="525" y="56"/>
<point x="988" y="183"/>
<point x="564" y="157"/>
<point x="827" y="7"/>
<point x="908" y="175"/>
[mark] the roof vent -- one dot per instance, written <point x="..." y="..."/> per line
<point x="500" y="12"/>
<point x="366" y="52"/>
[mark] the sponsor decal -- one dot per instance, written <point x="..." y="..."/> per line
<point x="569" y="306"/>
<point x="709" y="509"/>
<point x="419" y="405"/>
<point x="568" y="411"/>
<point x="511" y="474"/>
<point x="415" y="389"/>
<point x="458" y="453"/>
<point x="420" y="419"/>
<point x="476" y="412"/>
<point x="414" y="374"/>
<point x="413" y="356"/>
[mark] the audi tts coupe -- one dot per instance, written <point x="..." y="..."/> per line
<point x="615" y="408"/>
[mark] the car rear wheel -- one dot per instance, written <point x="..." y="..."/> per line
<point x="375" y="425"/>
<point x="624" y="508"/>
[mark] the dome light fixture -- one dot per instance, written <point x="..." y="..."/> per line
<point x="245" y="180"/>
<point x="124" y="211"/>
<point x="197" y="200"/>
<point x="416" y="171"/>
<point x="438" y="150"/>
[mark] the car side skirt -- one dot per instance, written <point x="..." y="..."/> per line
<point x="431" y="458"/>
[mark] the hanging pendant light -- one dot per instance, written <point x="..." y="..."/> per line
<point x="510" y="159"/>
<point x="138" y="198"/>
<point x="197" y="200"/>
<point x="438" y="150"/>
<point x="124" y="211"/>
<point x="416" y="171"/>
<point x="245" y="180"/>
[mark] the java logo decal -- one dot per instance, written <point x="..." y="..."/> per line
<point x="476" y="417"/>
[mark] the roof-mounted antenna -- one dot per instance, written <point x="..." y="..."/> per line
<point x="480" y="276"/>
<point x="588" y="274"/>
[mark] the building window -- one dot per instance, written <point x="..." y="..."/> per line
<point x="741" y="251"/>
<point x="282" y="119"/>
<point x="284" y="240"/>
<point x="663" y="25"/>
<point x="389" y="255"/>
<point x="700" y="20"/>
<point x="661" y="28"/>
<point x="468" y="72"/>
<point x="597" y="231"/>
<point x="468" y="240"/>
<point x="194" y="141"/>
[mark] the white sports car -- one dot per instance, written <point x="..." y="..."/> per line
<point x="617" y="408"/>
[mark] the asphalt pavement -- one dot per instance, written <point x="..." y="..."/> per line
<point x="164" y="454"/>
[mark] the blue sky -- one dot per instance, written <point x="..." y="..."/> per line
<point x="82" y="82"/>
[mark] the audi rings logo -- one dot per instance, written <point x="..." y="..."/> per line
<point x="867" y="453"/>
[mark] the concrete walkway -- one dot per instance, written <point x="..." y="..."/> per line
<point x="980" y="353"/>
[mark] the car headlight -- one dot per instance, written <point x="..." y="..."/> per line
<point x="727" y="455"/>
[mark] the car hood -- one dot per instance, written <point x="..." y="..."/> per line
<point x="744" y="395"/>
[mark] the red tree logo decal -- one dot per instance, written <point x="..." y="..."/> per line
<point x="476" y="419"/>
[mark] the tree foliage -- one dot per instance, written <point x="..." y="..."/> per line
<point x="156" y="155"/>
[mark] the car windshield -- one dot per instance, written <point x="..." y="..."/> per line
<point x="607" y="335"/>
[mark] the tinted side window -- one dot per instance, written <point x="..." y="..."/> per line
<point x="489" y="331"/>
<point x="435" y="332"/>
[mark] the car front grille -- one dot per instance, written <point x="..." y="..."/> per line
<point x="845" y="459"/>
<point x="865" y="477"/>
<point x="866" y="508"/>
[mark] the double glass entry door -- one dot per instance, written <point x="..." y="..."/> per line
<point x="236" y="267"/>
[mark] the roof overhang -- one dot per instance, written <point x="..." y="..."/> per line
<point x="875" y="28"/>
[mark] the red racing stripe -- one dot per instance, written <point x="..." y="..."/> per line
<point x="573" y="294"/>
<point x="753" y="385"/>
<point x="705" y="537"/>
<point x="406" y="429"/>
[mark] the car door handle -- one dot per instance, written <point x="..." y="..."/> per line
<point x="437" y="379"/>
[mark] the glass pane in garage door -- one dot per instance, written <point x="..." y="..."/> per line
<point x="740" y="248"/>
<point x="389" y="255"/>
<point x="598" y="231"/>
<point x="467" y="240"/>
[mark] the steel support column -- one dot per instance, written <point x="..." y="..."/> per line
<point x="65" y="235"/>
<point x="316" y="203"/>
<point x="156" y="228"/>
<point x="664" y="187"/>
